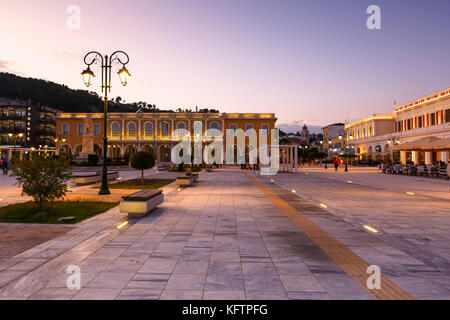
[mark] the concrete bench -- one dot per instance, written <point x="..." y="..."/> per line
<point x="185" y="180"/>
<point x="93" y="178"/>
<point x="140" y="203"/>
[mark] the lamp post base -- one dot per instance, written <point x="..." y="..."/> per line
<point x="104" y="191"/>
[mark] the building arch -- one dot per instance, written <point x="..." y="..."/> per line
<point x="66" y="149"/>
<point x="148" y="148"/>
<point x="164" y="153"/>
<point x="77" y="150"/>
<point x="130" y="150"/>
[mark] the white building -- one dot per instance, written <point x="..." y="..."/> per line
<point x="373" y="137"/>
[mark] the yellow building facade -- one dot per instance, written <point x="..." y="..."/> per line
<point x="154" y="132"/>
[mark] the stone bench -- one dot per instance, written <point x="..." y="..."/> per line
<point x="185" y="180"/>
<point x="93" y="178"/>
<point x="140" y="203"/>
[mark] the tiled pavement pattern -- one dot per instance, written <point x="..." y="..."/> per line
<point x="412" y="246"/>
<point x="220" y="239"/>
<point x="16" y="238"/>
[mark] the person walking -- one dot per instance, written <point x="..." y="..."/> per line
<point x="336" y="164"/>
<point x="4" y="160"/>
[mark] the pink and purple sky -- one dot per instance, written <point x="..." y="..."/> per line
<point x="312" y="61"/>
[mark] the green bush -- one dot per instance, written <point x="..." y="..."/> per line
<point x="93" y="159"/>
<point x="43" y="178"/>
<point x="142" y="160"/>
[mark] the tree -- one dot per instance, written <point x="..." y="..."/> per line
<point x="43" y="178"/>
<point x="142" y="160"/>
<point x="93" y="159"/>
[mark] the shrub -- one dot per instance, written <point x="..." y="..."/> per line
<point x="42" y="178"/>
<point x="93" y="159"/>
<point x="142" y="160"/>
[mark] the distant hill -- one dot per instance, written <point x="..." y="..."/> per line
<point x="65" y="99"/>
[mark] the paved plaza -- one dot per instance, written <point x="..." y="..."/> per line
<point x="238" y="235"/>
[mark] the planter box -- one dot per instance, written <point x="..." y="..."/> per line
<point x="140" y="203"/>
<point x="185" y="180"/>
<point x="94" y="178"/>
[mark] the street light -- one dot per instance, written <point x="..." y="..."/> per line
<point x="88" y="75"/>
<point x="341" y="137"/>
<point x="20" y="135"/>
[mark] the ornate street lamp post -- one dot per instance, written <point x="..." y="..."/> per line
<point x="106" y="67"/>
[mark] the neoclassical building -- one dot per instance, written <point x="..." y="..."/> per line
<point x="377" y="136"/>
<point x="154" y="132"/>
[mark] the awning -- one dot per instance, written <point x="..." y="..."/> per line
<point x="425" y="144"/>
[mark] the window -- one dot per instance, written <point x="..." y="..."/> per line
<point x="164" y="129"/>
<point x="65" y="129"/>
<point x="420" y="122"/>
<point x="97" y="129"/>
<point x="132" y="129"/>
<point x="214" y="125"/>
<point x="447" y="115"/>
<point x="265" y="129"/>
<point x="433" y="119"/>
<point x="80" y="129"/>
<point x="148" y="129"/>
<point x="370" y="131"/>
<point x="408" y="124"/>
<point x="233" y="128"/>
<point x="181" y="128"/>
<point x="115" y="130"/>
<point x="248" y="127"/>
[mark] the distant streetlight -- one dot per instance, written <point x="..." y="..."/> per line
<point x="88" y="75"/>
<point x="341" y="137"/>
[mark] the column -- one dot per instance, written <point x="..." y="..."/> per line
<point x="444" y="156"/>
<point x="123" y="130"/>
<point x="296" y="158"/>
<point x="415" y="157"/>
<point x="428" y="158"/>
<point x="290" y="160"/>
<point x="403" y="157"/>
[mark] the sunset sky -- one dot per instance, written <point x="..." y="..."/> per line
<point x="312" y="61"/>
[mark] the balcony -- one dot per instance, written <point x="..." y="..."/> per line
<point x="4" y="116"/>
<point x="47" y="132"/>
<point x="13" y="130"/>
<point x="48" y="121"/>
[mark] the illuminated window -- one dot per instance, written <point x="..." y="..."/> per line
<point x="115" y="129"/>
<point x="164" y="129"/>
<point x="132" y="129"/>
<point x="148" y="129"/>
<point x="214" y="125"/>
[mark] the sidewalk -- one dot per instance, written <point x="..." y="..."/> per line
<point x="223" y="238"/>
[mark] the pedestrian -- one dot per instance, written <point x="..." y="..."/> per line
<point x="336" y="164"/>
<point x="5" y="161"/>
